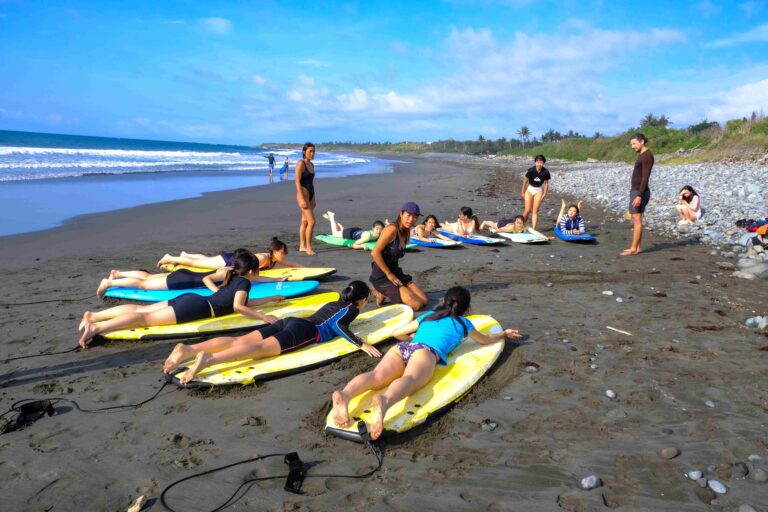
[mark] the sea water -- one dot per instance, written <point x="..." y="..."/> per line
<point x="46" y="179"/>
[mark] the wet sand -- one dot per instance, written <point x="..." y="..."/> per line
<point x="556" y="426"/>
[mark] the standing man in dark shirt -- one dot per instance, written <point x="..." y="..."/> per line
<point x="271" y="159"/>
<point x="639" y="193"/>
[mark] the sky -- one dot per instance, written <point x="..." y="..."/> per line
<point x="249" y="72"/>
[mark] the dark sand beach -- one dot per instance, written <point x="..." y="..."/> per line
<point x="689" y="345"/>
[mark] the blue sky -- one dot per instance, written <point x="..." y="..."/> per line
<point x="256" y="71"/>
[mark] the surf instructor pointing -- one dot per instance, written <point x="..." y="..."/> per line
<point x="639" y="193"/>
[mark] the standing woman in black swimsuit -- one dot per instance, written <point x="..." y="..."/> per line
<point x="305" y="196"/>
<point x="388" y="279"/>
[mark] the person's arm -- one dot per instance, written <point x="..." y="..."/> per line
<point x="487" y="339"/>
<point x="694" y="204"/>
<point x="388" y="234"/>
<point x="341" y="327"/>
<point x="284" y="262"/>
<point x="405" y="332"/>
<point x="563" y="224"/>
<point x="365" y="237"/>
<point x="240" y="306"/>
<point x="647" y="166"/>
<point x="210" y="280"/>
<point x="418" y="232"/>
<point x="301" y="191"/>
<point x="535" y="232"/>
<point x="582" y="226"/>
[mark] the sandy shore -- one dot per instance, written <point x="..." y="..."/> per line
<point x="688" y="346"/>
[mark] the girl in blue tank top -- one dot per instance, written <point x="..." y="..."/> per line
<point x="409" y="365"/>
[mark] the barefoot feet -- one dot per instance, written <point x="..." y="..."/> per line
<point x="202" y="361"/>
<point x="377" y="418"/>
<point x="102" y="288"/>
<point x="165" y="259"/>
<point x="89" y="331"/>
<point x="87" y="318"/>
<point x="340" y="409"/>
<point x="180" y="352"/>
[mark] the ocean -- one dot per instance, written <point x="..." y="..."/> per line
<point x="46" y="179"/>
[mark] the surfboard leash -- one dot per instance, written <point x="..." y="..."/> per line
<point x="77" y="299"/>
<point x="42" y="354"/>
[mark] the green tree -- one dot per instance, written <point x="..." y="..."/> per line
<point x="524" y="133"/>
<point x="651" y="120"/>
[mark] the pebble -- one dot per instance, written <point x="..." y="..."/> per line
<point x="593" y="366"/>
<point x="531" y="368"/>
<point x="507" y="398"/>
<point x="610" y="393"/>
<point x="717" y="486"/>
<point x="591" y="482"/>
<point x="550" y="285"/>
<point x="760" y="475"/>
<point x="702" y="482"/>
<point x="740" y="469"/>
<point x="711" y="468"/>
<point x="710" y="404"/>
<point x="670" y="453"/>
<point x="694" y="474"/>
<point x="619" y="299"/>
<point x="754" y="458"/>
<point x="488" y="426"/>
<point x="616" y="414"/>
<point x="607" y="292"/>
<point x="599" y="346"/>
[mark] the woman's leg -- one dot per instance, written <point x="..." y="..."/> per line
<point x="308" y="225"/>
<point x="156" y="282"/>
<point x="182" y="352"/>
<point x="389" y="368"/>
<point x="528" y="205"/>
<point x="536" y="204"/>
<point x="139" y="274"/>
<point x="153" y="315"/>
<point x="98" y="316"/>
<point x="690" y="215"/>
<point x="421" y="367"/>
<point x="412" y="296"/>
<point x="680" y="211"/>
<point x="239" y="349"/>
<point x="204" y="262"/>
<point x="336" y="228"/>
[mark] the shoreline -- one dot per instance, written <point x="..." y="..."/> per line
<point x="555" y="426"/>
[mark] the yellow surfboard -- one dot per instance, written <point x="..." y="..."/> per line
<point x="466" y="366"/>
<point x="372" y="326"/>
<point x="296" y="274"/>
<point x="300" y="306"/>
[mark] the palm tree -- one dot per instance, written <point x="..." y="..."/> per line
<point x="524" y="133"/>
<point x="481" y="140"/>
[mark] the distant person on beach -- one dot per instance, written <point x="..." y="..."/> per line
<point x="571" y="222"/>
<point x="535" y="189"/>
<point x="359" y="235"/>
<point x="639" y="191"/>
<point x="231" y="296"/>
<point x="409" y="365"/>
<point x="284" y="168"/>
<point x="688" y="205"/>
<point x="388" y="279"/>
<point x="515" y="225"/>
<point x="305" y="196"/>
<point x="271" y="159"/>
<point x="275" y="254"/>
<point x="427" y="232"/>
<point x="466" y="224"/>
<point x="285" y="335"/>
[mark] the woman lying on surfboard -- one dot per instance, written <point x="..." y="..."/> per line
<point x="516" y="225"/>
<point x="427" y="232"/>
<point x="231" y="296"/>
<point x="275" y="254"/>
<point x="409" y="365"/>
<point x="466" y="225"/>
<point x="359" y="235"/>
<point x="571" y="223"/>
<point x="287" y="334"/>
<point x="181" y="279"/>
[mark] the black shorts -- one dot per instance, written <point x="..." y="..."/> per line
<point x="190" y="307"/>
<point x="392" y="292"/>
<point x="352" y="233"/>
<point x="644" y="202"/>
<point x="291" y="333"/>
<point x="185" y="279"/>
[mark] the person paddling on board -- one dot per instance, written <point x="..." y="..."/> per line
<point x="427" y="232"/>
<point x="410" y="364"/>
<point x="571" y="222"/>
<point x="466" y="225"/>
<point x="285" y="335"/>
<point x="229" y="297"/>
<point x="515" y="225"/>
<point x="640" y="192"/>
<point x="275" y="254"/>
<point x="359" y="235"/>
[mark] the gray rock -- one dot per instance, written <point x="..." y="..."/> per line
<point x="607" y="292"/>
<point x="754" y="458"/>
<point x="694" y="474"/>
<point x="610" y="393"/>
<point x="619" y="299"/>
<point x="710" y="404"/>
<point x="711" y="468"/>
<point x="593" y="366"/>
<point x="740" y="469"/>
<point x="746" y="508"/>
<point x="616" y="414"/>
<point x="591" y="482"/>
<point x="670" y="453"/>
<point x="702" y="482"/>
<point x="488" y="425"/>
<point x="716" y="486"/>
<point x="760" y="475"/>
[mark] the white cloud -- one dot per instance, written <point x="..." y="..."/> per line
<point x="355" y="100"/>
<point x="739" y="101"/>
<point x="758" y="34"/>
<point x="313" y="63"/>
<point x="218" y="26"/>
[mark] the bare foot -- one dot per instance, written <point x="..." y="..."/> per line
<point x="202" y="360"/>
<point x="102" y="288"/>
<point x="377" y="418"/>
<point x="629" y="252"/>
<point x="88" y="334"/>
<point x="310" y="252"/>
<point x="114" y="274"/>
<point x="163" y="260"/>
<point x="340" y="409"/>
<point x="327" y="215"/>
<point x="179" y="353"/>
<point x="184" y="254"/>
<point x="87" y="318"/>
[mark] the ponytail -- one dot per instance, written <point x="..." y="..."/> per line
<point x="455" y="303"/>
<point x="357" y="290"/>
<point x="242" y="263"/>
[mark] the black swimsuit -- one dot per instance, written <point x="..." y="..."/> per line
<point x="190" y="306"/>
<point x="184" y="279"/>
<point x="391" y="255"/>
<point x="306" y="180"/>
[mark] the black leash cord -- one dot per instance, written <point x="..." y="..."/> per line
<point x="376" y="453"/>
<point x="45" y="301"/>
<point x="41" y="354"/>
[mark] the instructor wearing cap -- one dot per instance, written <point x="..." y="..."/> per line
<point x="388" y="279"/>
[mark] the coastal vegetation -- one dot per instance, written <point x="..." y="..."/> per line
<point x="745" y="138"/>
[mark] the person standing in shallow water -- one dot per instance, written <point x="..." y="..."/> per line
<point x="305" y="197"/>
<point x="639" y="191"/>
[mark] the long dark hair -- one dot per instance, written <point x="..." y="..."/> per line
<point x="689" y="189"/>
<point x="437" y="223"/>
<point x="466" y="210"/>
<point x="356" y="291"/>
<point x="242" y="263"/>
<point x="403" y="232"/>
<point x="455" y="303"/>
<point x="275" y="246"/>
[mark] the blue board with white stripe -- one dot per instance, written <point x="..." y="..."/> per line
<point x="258" y="291"/>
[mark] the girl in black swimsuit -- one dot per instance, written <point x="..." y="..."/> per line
<point x="388" y="279"/>
<point x="230" y="297"/>
<point x="305" y="197"/>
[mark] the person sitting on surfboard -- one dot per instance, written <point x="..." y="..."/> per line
<point x="359" y="235"/>
<point x="571" y="223"/>
<point x="466" y="225"/>
<point x="284" y="335"/>
<point x="275" y="254"/>
<point x="229" y="297"/>
<point x="409" y="365"/>
<point x="427" y="232"/>
<point x="516" y="225"/>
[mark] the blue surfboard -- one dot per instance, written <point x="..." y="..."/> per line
<point x="258" y="291"/>
<point x="472" y="239"/>
<point x="586" y="237"/>
<point x="437" y="243"/>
